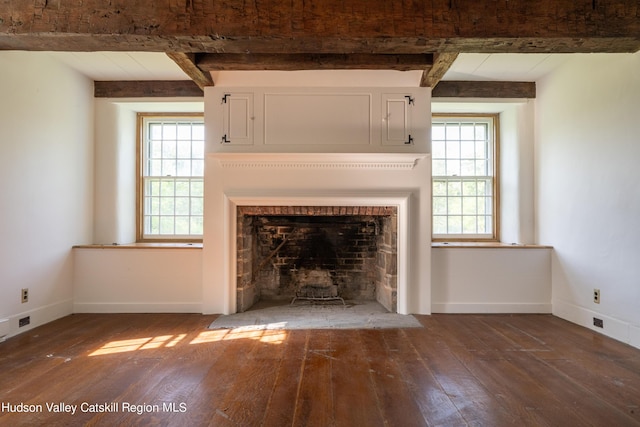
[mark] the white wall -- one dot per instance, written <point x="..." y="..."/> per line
<point x="491" y="280"/>
<point x="46" y="182"/>
<point x="135" y="280"/>
<point x="588" y="199"/>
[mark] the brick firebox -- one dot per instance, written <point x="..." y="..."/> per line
<point x="356" y="246"/>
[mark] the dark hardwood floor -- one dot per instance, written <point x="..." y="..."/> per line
<point x="169" y="370"/>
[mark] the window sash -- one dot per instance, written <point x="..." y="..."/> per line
<point x="171" y="178"/>
<point x="464" y="181"/>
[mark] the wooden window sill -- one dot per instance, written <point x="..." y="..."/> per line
<point x="164" y="245"/>
<point x="489" y="245"/>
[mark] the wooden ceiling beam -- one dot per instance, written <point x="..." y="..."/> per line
<point x="321" y="26"/>
<point x="146" y="89"/>
<point x="310" y="61"/>
<point x="187" y="88"/>
<point x="484" y="89"/>
<point x="187" y="62"/>
<point x="442" y="62"/>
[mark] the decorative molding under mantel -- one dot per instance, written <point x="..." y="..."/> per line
<point x="379" y="161"/>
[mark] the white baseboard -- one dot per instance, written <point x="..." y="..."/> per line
<point x="471" y="308"/>
<point x="170" y="307"/>
<point x="38" y="317"/>
<point x="612" y="327"/>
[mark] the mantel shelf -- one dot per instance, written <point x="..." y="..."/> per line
<point x="380" y="161"/>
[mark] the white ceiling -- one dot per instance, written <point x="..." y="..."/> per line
<point x="104" y="66"/>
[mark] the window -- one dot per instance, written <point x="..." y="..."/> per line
<point x="171" y="178"/>
<point x="464" y="156"/>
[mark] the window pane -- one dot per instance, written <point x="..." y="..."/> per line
<point x="182" y="225"/>
<point x="169" y="149"/>
<point x="467" y="131"/>
<point x="184" y="149"/>
<point x="439" y="205"/>
<point x="467" y="167"/>
<point x="439" y="188"/>
<point x="481" y="168"/>
<point x="469" y="188"/>
<point x="454" y="205"/>
<point x="481" y="150"/>
<point x="184" y="131"/>
<point x="469" y="205"/>
<point x="197" y="131"/>
<point x="439" y="168"/>
<point x="454" y="224"/>
<point x="168" y="168"/>
<point x="196" y="225"/>
<point x="197" y="148"/>
<point x="182" y="206"/>
<point x="453" y="149"/>
<point x="155" y="131"/>
<point x="467" y="149"/>
<point x="155" y="149"/>
<point x="197" y="168"/>
<point x="437" y="150"/>
<point x="453" y="167"/>
<point x="440" y="225"/>
<point x="197" y="206"/>
<point x="155" y="168"/>
<point x="167" y="188"/>
<point x="454" y="188"/>
<point x="169" y="131"/>
<point x="167" y="206"/>
<point x="154" y="208"/>
<point x="470" y="225"/>
<point x="184" y="167"/>
<point x="437" y="132"/>
<point x="452" y="132"/>
<point x="167" y="225"/>
<point x="197" y="188"/>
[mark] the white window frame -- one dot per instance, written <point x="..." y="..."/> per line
<point x="454" y="220"/>
<point x="163" y="184"/>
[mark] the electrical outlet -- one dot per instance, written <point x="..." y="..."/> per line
<point x="25" y="295"/>
<point x="596" y="296"/>
<point x="24" y="321"/>
<point x="598" y="322"/>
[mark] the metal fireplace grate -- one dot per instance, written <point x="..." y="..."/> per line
<point x="318" y="293"/>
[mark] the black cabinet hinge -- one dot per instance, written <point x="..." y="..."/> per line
<point x="409" y="141"/>
<point x="224" y="98"/>
<point x="224" y="139"/>
<point x="410" y="99"/>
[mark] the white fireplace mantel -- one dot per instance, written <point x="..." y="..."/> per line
<point x="317" y="179"/>
<point x="379" y="161"/>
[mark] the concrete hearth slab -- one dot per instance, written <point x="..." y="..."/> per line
<point x="305" y="315"/>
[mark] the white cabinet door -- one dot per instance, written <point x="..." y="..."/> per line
<point x="238" y="118"/>
<point x="396" y="119"/>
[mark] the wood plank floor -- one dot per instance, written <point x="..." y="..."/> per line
<point x="458" y="370"/>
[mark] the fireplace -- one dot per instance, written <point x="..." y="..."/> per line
<point x="386" y="194"/>
<point x="316" y="253"/>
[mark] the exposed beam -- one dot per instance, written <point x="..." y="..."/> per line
<point x="472" y="89"/>
<point x="187" y="62"/>
<point x="321" y="26"/>
<point x="187" y="88"/>
<point x="442" y="62"/>
<point x="146" y="88"/>
<point x="310" y="61"/>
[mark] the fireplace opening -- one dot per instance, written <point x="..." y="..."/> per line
<point x="316" y="253"/>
